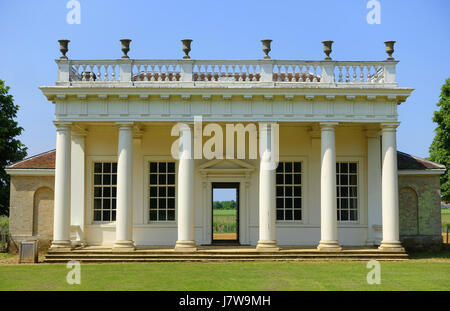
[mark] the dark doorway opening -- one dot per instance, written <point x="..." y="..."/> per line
<point x="225" y="213"/>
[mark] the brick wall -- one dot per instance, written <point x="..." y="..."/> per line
<point x="420" y="212"/>
<point x="31" y="209"/>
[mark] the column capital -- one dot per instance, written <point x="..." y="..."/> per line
<point x="389" y="126"/>
<point x="328" y="126"/>
<point x="79" y="131"/>
<point x="63" y="125"/>
<point x="125" y="125"/>
<point x="266" y="126"/>
<point x="372" y="133"/>
<point x="137" y="132"/>
<point x="184" y="126"/>
<point x="314" y="132"/>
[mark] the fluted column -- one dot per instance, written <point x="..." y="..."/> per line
<point x="124" y="212"/>
<point x="328" y="214"/>
<point x="267" y="211"/>
<point x="389" y="189"/>
<point x="61" y="227"/>
<point x="186" y="236"/>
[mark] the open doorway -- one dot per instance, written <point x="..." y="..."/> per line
<point x="225" y="212"/>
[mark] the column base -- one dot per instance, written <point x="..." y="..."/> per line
<point x="267" y="246"/>
<point x="79" y="244"/>
<point x="395" y="246"/>
<point x="329" y="246"/>
<point x="185" y="246"/>
<point x="123" y="246"/>
<point x="60" y="246"/>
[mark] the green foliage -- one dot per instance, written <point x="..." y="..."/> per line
<point x="445" y="219"/>
<point x="11" y="149"/>
<point x="4" y="224"/>
<point x="224" y="204"/>
<point x="4" y="231"/>
<point x="440" y="148"/>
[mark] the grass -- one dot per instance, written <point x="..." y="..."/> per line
<point x="445" y="218"/>
<point x="224" y="212"/>
<point x="224" y="221"/>
<point x="425" y="271"/>
<point x="333" y="275"/>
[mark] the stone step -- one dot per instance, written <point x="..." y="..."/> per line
<point x="106" y="260"/>
<point x="118" y="260"/>
<point x="193" y="255"/>
<point x="171" y="252"/>
<point x="154" y="257"/>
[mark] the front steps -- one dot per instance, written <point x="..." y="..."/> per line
<point x="222" y="254"/>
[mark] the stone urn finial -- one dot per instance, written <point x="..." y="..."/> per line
<point x="327" y="48"/>
<point x="266" y="47"/>
<point x="389" y="49"/>
<point x="186" y="48"/>
<point x="125" y="47"/>
<point x="63" y="47"/>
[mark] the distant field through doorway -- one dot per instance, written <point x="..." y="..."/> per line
<point x="225" y="213"/>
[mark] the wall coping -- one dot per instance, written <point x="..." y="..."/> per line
<point x="30" y="171"/>
<point x="422" y="172"/>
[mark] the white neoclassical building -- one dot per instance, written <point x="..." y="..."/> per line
<point x="117" y="183"/>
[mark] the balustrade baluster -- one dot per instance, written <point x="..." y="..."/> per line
<point x="113" y="72"/>
<point x="99" y="74"/>
<point x="361" y="74"/>
<point x="145" y="72"/>
<point x="340" y="73"/>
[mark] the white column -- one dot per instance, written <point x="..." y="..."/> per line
<point x="61" y="227"/>
<point x="185" y="176"/>
<point x="389" y="192"/>
<point x="267" y="210"/>
<point x="124" y="212"/>
<point x="77" y="185"/>
<point x="328" y="214"/>
<point x="373" y="186"/>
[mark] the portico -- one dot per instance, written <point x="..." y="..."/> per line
<point x="334" y="183"/>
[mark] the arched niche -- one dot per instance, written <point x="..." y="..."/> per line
<point x="43" y="213"/>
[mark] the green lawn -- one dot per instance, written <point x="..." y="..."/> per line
<point x="411" y="275"/>
<point x="445" y="218"/>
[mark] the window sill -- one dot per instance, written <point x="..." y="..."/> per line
<point x="102" y="225"/>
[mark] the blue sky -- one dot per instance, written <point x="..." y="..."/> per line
<point x="222" y="30"/>
<point x="224" y="194"/>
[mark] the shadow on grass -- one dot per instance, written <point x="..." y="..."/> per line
<point x="444" y="253"/>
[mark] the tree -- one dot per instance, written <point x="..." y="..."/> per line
<point x="440" y="147"/>
<point x="218" y="205"/>
<point x="233" y="204"/>
<point x="11" y="149"/>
